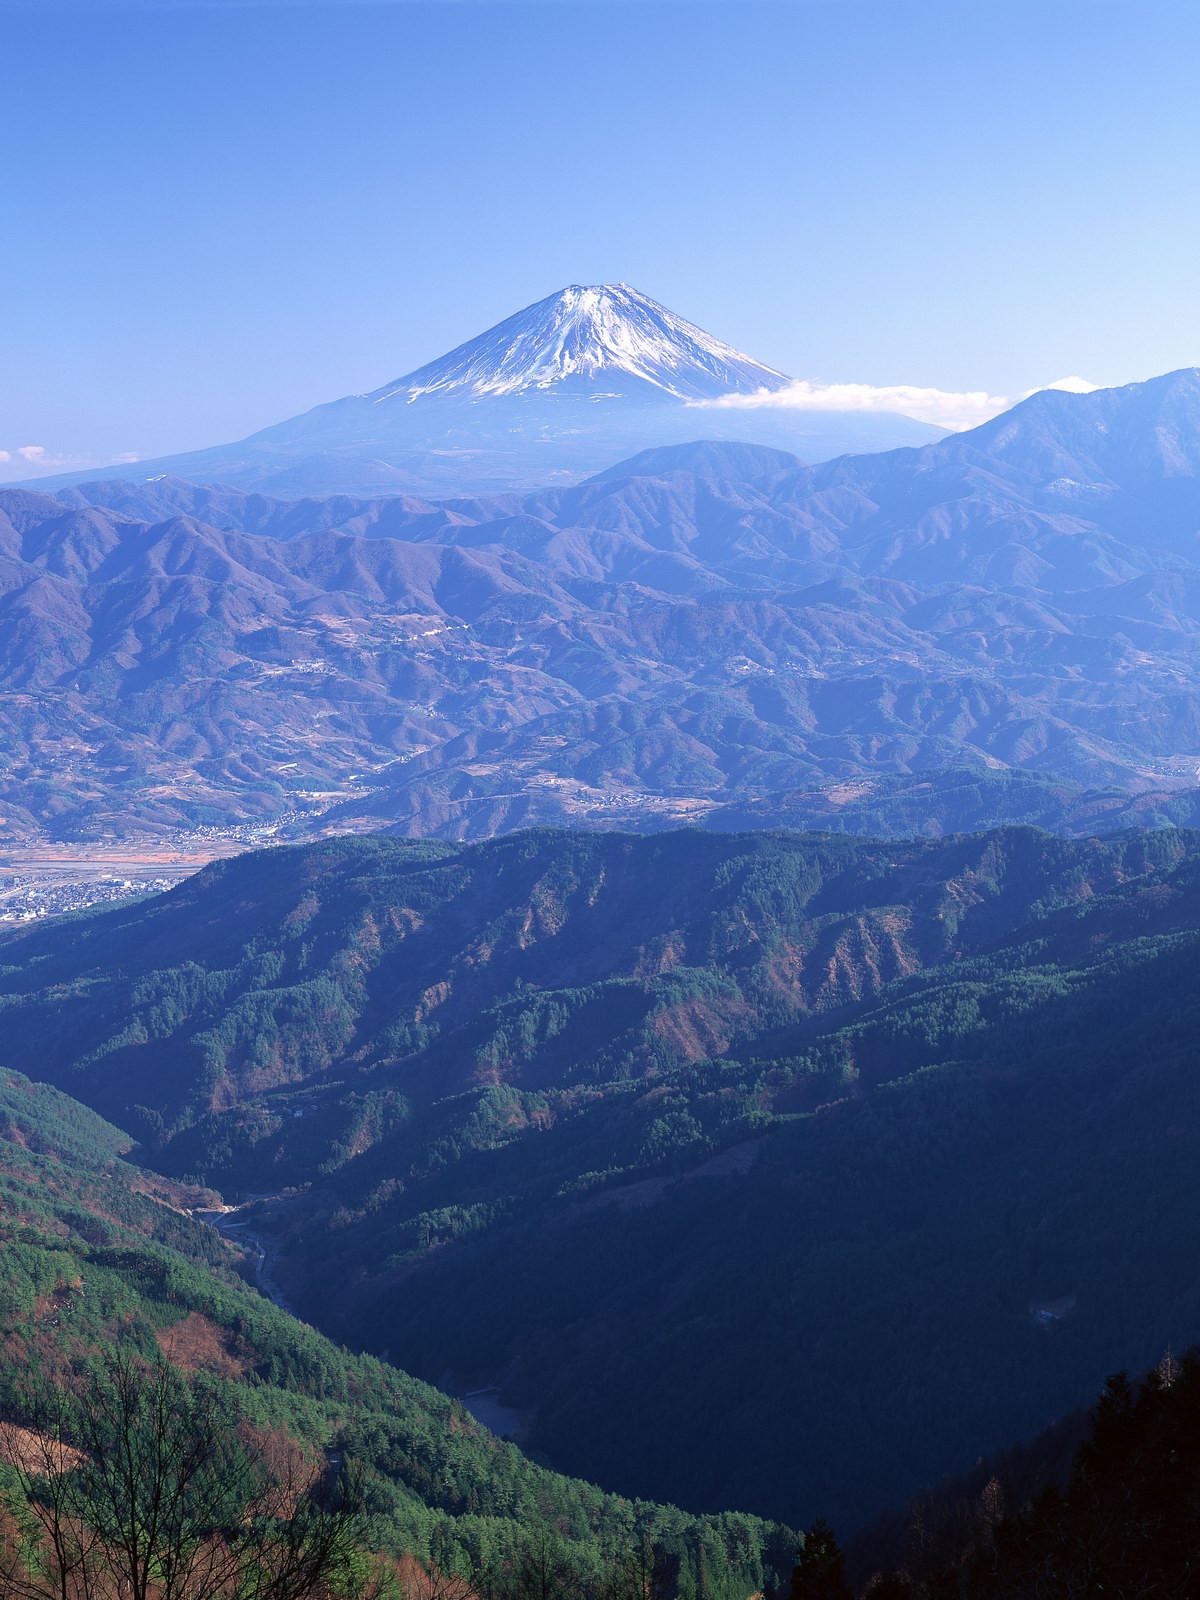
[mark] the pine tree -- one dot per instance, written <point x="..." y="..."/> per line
<point x="703" y="1581"/>
<point x="820" y="1570"/>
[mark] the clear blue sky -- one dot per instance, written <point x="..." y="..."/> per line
<point x="219" y="212"/>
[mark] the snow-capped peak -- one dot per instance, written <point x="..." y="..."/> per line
<point x="604" y="338"/>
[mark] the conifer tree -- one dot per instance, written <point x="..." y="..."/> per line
<point x="820" y="1570"/>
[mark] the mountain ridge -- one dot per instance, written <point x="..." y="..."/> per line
<point x="549" y="395"/>
<point x="704" y="625"/>
<point x="660" y="1113"/>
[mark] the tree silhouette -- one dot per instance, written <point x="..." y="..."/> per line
<point x="820" y="1571"/>
<point x="143" y="1486"/>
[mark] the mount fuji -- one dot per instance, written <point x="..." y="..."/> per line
<point x="603" y="342"/>
<point x="559" y="391"/>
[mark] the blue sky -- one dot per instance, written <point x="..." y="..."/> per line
<point x="220" y="212"/>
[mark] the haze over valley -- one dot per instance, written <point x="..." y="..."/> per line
<point x="598" y="939"/>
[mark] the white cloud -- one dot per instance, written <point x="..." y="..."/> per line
<point x="28" y="461"/>
<point x="36" y="461"/>
<point x="947" y="408"/>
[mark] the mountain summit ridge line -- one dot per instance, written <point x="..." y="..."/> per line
<point x="581" y="332"/>
<point x="553" y="394"/>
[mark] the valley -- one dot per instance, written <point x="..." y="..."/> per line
<point x="598" y="931"/>
<point x="96" y="1255"/>
<point x="231" y="1223"/>
<point x="698" y="903"/>
<point x="614" y="1122"/>
<point x="469" y="1051"/>
<point x="46" y="880"/>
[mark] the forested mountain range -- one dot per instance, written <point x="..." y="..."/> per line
<point x="97" y="1254"/>
<point x="703" y="626"/>
<point x="756" y="1170"/>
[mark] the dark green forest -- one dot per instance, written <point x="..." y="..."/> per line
<point x="91" y="1263"/>
<point x="788" y="1172"/>
<point x="1107" y="1505"/>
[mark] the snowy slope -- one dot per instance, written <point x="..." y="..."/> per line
<point x="602" y="335"/>
<point x="582" y="379"/>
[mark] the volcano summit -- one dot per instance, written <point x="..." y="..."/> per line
<point x="604" y="341"/>
<point x="558" y="391"/>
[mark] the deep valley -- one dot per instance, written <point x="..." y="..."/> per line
<point x="629" y="1124"/>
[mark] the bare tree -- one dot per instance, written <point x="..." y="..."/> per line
<point x="544" y="1573"/>
<point x="143" y="1486"/>
<point x="418" y="1582"/>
